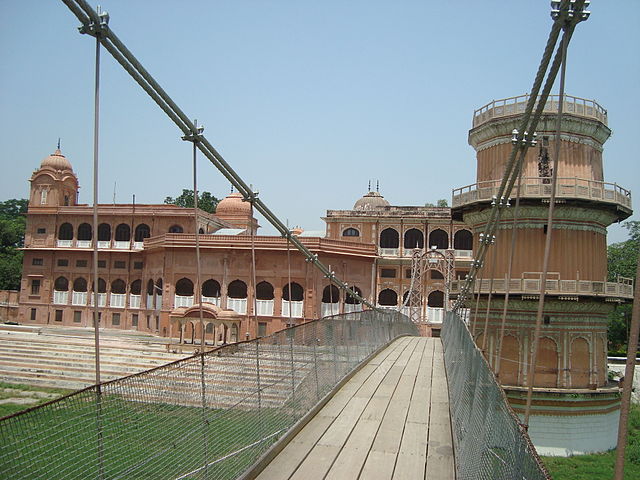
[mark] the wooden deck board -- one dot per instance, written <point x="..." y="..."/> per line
<point x="391" y="420"/>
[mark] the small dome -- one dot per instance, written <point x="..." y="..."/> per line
<point x="371" y="201"/>
<point x="57" y="161"/>
<point x="233" y="205"/>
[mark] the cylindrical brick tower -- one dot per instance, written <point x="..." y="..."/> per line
<point x="571" y="385"/>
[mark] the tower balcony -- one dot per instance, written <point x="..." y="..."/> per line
<point x="529" y="286"/>
<point x="568" y="188"/>
<point x="516" y="106"/>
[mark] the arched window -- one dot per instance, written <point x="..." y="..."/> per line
<point x="79" y="285"/>
<point x="61" y="284"/>
<point x="389" y="238"/>
<point x="413" y="238"/>
<point x="294" y="293"/>
<point x="118" y="286"/>
<point x="142" y="231"/>
<point x="211" y="288"/>
<point x="150" y="288"/>
<point x="123" y="233"/>
<point x="184" y="287"/>
<point x="65" y="232"/>
<point x="201" y="231"/>
<point x="136" y="287"/>
<point x="436" y="299"/>
<point x="351" y="300"/>
<point x="463" y="240"/>
<point x="330" y="294"/>
<point x="351" y="232"/>
<point x="102" y="286"/>
<point x="388" y="298"/>
<point x="175" y="229"/>
<point x="237" y="289"/>
<point x="264" y="291"/>
<point x="104" y="232"/>
<point x="439" y="239"/>
<point x="84" y="231"/>
<point x="436" y="275"/>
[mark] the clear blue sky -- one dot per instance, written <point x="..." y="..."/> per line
<point x="306" y="100"/>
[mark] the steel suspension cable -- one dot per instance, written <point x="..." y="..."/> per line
<point x="117" y="49"/>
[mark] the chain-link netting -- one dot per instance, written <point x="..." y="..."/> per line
<point x="489" y="442"/>
<point x="208" y="416"/>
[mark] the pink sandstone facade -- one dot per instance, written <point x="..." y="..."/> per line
<point x="147" y="263"/>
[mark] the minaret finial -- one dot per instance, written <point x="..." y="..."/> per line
<point x="378" y="186"/>
<point x="58" y="143"/>
<point x="231" y="188"/>
<point x="369" y="187"/>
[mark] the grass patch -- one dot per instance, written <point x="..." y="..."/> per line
<point x="133" y="439"/>
<point x="601" y="465"/>
<point x="17" y="390"/>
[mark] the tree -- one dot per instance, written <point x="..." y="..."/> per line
<point x="622" y="260"/>
<point x="442" y="203"/>
<point x="12" y="224"/>
<point x="206" y="201"/>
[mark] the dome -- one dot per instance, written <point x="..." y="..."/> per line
<point x="56" y="161"/>
<point x="234" y="205"/>
<point x="371" y="201"/>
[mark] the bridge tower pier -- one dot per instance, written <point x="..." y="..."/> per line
<point x="575" y="407"/>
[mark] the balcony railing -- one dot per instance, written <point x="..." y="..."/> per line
<point x="297" y="308"/>
<point x="79" y="298"/>
<point x="435" y="314"/>
<point x="352" y="307"/>
<point x="183" y="301"/>
<point x="104" y="243"/>
<point x="122" y="244"/>
<point x="83" y="243"/>
<point x="388" y="252"/>
<point x="214" y="300"/>
<point x="540" y="187"/>
<point x="134" y="301"/>
<point x="264" y="308"/>
<point x="531" y="281"/>
<point x="137" y="245"/>
<point x="64" y="243"/>
<point x="102" y="299"/>
<point x="239" y="305"/>
<point x="60" y="298"/>
<point x="329" y="309"/>
<point x="117" y="300"/>
<point x="517" y="105"/>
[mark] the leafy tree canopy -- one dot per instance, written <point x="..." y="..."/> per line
<point x="12" y="224"/>
<point x="206" y="201"/>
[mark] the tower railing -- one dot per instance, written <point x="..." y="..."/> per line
<point x="540" y="187"/>
<point x="211" y="415"/>
<point x="516" y="105"/>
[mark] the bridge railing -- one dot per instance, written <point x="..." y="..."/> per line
<point x="488" y="440"/>
<point x="211" y="415"/>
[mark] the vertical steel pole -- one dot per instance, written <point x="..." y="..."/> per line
<point x="632" y="349"/>
<point x="96" y="288"/>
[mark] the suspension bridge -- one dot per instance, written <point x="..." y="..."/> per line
<point x="357" y="395"/>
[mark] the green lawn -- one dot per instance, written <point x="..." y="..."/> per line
<point x="600" y="466"/>
<point x="133" y="439"/>
<point x="15" y="390"/>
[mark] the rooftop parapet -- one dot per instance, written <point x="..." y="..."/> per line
<point x="516" y="106"/>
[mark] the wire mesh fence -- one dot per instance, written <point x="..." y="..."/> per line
<point x="488" y="439"/>
<point x="211" y="415"/>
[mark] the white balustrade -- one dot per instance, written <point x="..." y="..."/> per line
<point x="328" y="309"/>
<point x="122" y="245"/>
<point x="134" y="301"/>
<point x="64" y="243"/>
<point x="137" y="245"/>
<point x="83" y="243"/>
<point x="264" y="308"/>
<point x="352" y="307"/>
<point x="214" y="300"/>
<point x="297" y="308"/>
<point x="435" y="314"/>
<point x="183" y="301"/>
<point x="102" y="299"/>
<point x="60" y="298"/>
<point x="149" y="302"/>
<point x="116" y="300"/>
<point x="79" y="298"/>
<point x="239" y="305"/>
<point x="104" y="243"/>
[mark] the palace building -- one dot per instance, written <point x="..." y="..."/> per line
<point x="148" y="274"/>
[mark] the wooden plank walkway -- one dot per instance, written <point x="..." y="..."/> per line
<point x="389" y="421"/>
